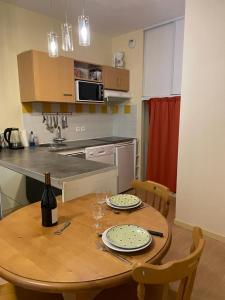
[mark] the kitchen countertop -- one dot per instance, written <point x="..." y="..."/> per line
<point x="74" y="145"/>
<point x="34" y="162"/>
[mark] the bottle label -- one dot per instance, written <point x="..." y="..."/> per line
<point x="54" y="215"/>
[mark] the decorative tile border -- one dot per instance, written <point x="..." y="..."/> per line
<point x="115" y="109"/>
<point x="92" y="108"/>
<point x="27" y="108"/>
<point x="127" y="109"/>
<point x="64" y="108"/>
<point x="46" y="107"/>
<point x="78" y="108"/>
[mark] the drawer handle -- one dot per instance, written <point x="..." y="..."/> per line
<point x="67" y="94"/>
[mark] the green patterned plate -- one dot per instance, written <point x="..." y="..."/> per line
<point x="124" y="200"/>
<point x="128" y="236"/>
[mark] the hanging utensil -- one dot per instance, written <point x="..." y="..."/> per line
<point x="47" y="123"/>
<point x="62" y="122"/>
<point x="51" y="124"/>
<point x="55" y="122"/>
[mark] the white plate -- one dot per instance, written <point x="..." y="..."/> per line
<point x="124" y="200"/>
<point x="123" y="208"/>
<point x="128" y="236"/>
<point x="107" y="243"/>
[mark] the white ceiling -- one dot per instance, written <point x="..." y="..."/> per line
<point x="110" y="17"/>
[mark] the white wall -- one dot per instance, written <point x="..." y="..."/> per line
<point x="201" y="166"/>
<point x="21" y="30"/>
<point x="134" y="63"/>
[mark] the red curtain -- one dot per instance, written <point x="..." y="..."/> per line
<point x="163" y="141"/>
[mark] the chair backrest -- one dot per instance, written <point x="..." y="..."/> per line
<point x="183" y="270"/>
<point x="153" y="193"/>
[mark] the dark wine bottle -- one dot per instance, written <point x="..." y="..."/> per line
<point x="48" y="204"/>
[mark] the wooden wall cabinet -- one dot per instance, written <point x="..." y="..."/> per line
<point x="43" y="78"/>
<point x="115" y="79"/>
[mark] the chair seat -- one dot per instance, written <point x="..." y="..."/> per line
<point x="10" y="292"/>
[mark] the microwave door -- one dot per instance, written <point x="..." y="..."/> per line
<point x="89" y="91"/>
<point x="100" y="93"/>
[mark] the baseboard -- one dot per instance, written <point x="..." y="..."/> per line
<point x="207" y="233"/>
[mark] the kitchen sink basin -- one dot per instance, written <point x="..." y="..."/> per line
<point x="53" y="145"/>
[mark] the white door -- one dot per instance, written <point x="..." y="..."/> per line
<point x="178" y="57"/>
<point x="158" y="60"/>
<point x="125" y="164"/>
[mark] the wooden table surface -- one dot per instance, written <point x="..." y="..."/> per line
<point x="34" y="257"/>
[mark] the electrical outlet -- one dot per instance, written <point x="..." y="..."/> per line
<point x="78" y="129"/>
<point x="82" y="128"/>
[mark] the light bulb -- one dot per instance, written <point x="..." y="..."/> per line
<point x="84" y="34"/>
<point x="67" y="38"/>
<point x="84" y="30"/>
<point x="53" y="48"/>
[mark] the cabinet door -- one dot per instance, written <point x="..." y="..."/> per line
<point x="66" y="79"/>
<point x="178" y="57"/>
<point x="125" y="163"/>
<point x="115" y="79"/>
<point x="110" y="79"/>
<point x="45" y="79"/>
<point x="158" y="60"/>
<point x="53" y="78"/>
<point x="123" y="79"/>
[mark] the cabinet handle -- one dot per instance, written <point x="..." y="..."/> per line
<point x="67" y="94"/>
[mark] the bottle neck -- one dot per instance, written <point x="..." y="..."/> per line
<point x="47" y="179"/>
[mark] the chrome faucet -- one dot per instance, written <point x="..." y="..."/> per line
<point x="58" y="137"/>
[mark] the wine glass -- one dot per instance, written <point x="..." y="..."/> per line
<point x="99" y="206"/>
<point x="97" y="213"/>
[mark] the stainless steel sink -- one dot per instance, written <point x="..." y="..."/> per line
<point x="53" y="145"/>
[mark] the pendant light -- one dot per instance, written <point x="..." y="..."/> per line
<point x="67" y="36"/>
<point x="84" y="30"/>
<point x="53" y="47"/>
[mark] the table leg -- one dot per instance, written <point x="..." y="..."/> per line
<point x="88" y="295"/>
<point x="69" y="296"/>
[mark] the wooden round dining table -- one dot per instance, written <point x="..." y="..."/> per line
<point x="37" y="258"/>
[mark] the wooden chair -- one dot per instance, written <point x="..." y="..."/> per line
<point x="10" y="292"/>
<point x="160" y="277"/>
<point x="153" y="193"/>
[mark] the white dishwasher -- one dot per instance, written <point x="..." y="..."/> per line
<point x="104" y="154"/>
<point x="122" y="155"/>
<point x="125" y="162"/>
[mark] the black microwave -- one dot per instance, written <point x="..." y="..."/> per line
<point x="88" y="91"/>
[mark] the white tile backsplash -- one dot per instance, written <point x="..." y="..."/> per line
<point x="125" y="124"/>
<point x="95" y="125"/>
